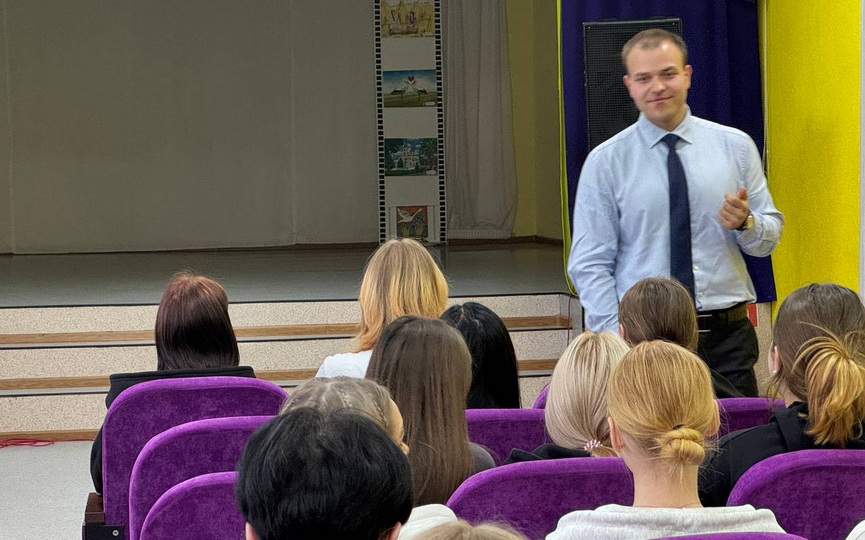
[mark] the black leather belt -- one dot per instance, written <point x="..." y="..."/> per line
<point x="719" y="318"/>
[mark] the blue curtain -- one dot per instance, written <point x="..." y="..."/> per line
<point x="723" y="48"/>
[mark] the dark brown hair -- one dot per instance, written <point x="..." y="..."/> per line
<point x="659" y="308"/>
<point x="193" y="330"/>
<point x="427" y="368"/>
<point x="820" y="335"/>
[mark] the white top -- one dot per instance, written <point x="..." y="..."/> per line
<point x="617" y="522"/>
<point x="858" y="532"/>
<point x="424" y="518"/>
<point x="345" y="365"/>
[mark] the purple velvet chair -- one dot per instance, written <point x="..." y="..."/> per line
<point x="149" y="408"/>
<point x="531" y="496"/>
<point x="736" y="536"/>
<point x="184" y="452"/>
<point x="742" y="413"/>
<point x="501" y="430"/>
<point x="202" y="508"/>
<point x="541" y="400"/>
<point x="818" y="494"/>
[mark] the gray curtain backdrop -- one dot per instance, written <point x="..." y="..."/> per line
<point x="131" y="125"/>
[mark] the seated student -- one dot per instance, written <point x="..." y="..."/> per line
<point x="661" y="308"/>
<point x="194" y="338"/>
<point x="401" y="278"/>
<point x="310" y="474"/>
<point x="817" y="361"/>
<point x="461" y="530"/>
<point x="576" y="412"/>
<point x="661" y="411"/>
<point x="495" y="376"/>
<point x="372" y="399"/>
<point x="427" y="368"/>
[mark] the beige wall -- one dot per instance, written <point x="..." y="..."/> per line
<point x="5" y="142"/>
<point x="533" y="51"/>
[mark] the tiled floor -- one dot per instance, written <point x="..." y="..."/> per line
<point x="262" y="276"/>
<point x="44" y="491"/>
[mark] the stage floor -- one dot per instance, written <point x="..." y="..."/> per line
<point x="264" y="275"/>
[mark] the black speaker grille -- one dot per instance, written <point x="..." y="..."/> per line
<point x="609" y="108"/>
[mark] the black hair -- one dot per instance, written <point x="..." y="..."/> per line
<point x="495" y="375"/>
<point x="308" y="474"/>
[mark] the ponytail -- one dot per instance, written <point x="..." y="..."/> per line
<point x="835" y="379"/>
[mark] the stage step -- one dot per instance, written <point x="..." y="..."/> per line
<point x="55" y="362"/>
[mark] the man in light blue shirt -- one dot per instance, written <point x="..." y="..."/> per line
<point x="622" y="229"/>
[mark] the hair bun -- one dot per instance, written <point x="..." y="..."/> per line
<point x="682" y="445"/>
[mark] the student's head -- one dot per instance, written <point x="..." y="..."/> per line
<point x="658" y="76"/>
<point x="495" y="378"/>
<point x="576" y="412"/>
<point x="401" y="278"/>
<point x="193" y="330"/>
<point x="361" y="395"/>
<point x="427" y="368"/>
<point x="310" y="474"/>
<point x="461" y="530"/>
<point x="662" y="407"/>
<point x="658" y="308"/>
<point x="818" y="356"/>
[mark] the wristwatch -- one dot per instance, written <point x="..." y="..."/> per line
<point x="748" y="223"/>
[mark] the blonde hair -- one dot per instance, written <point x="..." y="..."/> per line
<point x="401" y="278"/>
<point x="660" y="395"/>
<point x="460" y="530"/>
<point x="659" y="308"/>
<point x="576" y="412"/>
<point x="819" y="333"/>
<point x="329" y="395"/>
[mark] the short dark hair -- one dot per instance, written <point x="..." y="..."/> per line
<point x="651" y="39"/>
<point x="193" y="329"/>
<point x="495" y="374"/>
<point x="309" y="474"/>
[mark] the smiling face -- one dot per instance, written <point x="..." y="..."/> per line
<point x="658" y="81"/>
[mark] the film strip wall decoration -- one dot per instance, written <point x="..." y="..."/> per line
<point x="410" y="120"/>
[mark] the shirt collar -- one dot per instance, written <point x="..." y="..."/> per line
<point x="653" y="134"/>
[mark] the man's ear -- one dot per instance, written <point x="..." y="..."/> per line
<point x="393" y="533"/>
<point x="250" y="533"/>
<point x="615" y="436"/>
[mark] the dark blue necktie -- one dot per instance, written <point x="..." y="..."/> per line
<point x="681" y="266"/>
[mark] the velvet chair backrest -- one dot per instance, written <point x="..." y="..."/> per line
<point x="531" y="496"/>
<point x="541" y="400"/>
<point x="149" y="408"/>
<point x="818" y="494"/>
<point x="744" y="412"/>
<point x="501" y="430"/>
<point x="736" y="536"/>
<point x="184" y="452"/>
<point x="203" y="507"/>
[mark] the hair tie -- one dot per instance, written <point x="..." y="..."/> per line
<point x="677" y="426"/>
<point x="592" y="444"/>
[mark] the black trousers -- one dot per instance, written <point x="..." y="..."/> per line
<point x="731" y="351"/>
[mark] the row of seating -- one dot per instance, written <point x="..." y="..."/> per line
<point x="162" y="434"/>
<point x="531" y="496"/>
<point x="501" y="430"/>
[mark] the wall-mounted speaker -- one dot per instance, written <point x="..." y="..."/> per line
<point x="609" y="107"/>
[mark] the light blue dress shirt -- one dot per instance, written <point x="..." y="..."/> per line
<point x="621" y="228"/>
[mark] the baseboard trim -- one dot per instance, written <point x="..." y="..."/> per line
<point x="287" y="377"/>
<point x="243" y="333"/>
